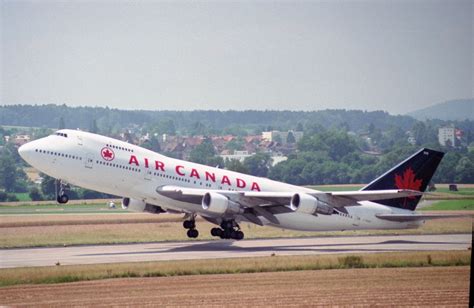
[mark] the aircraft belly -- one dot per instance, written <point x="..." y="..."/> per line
<point x="306" y="222"/>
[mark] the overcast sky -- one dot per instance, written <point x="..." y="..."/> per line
<point x="397" y="56"/>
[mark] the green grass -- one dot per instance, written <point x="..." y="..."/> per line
<point x="462" y="191"/>
<point x="61" y="274"/>
<point x="58" y="209"/>
<point x="451" y="205"/>
<point x="23" y="196"/>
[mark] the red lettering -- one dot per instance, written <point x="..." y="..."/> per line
<point x="210" y="176"/>
<point x="178" y="168"/>
<point x="255" y="186"/>
<point x="159" y="165"/>
<point x="240" y="183"/>
<point x="146" y="162"/>
<point x="133" y="160"/>
<point x="194" y="173"/>
<point x="225" y="180"/>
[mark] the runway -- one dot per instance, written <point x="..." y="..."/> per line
<point x="11" y="258"/>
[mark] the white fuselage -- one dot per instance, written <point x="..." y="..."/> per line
<point x="115" y="167"/>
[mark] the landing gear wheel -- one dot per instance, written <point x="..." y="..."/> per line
<point x="239" y="235"/>
<point x="193" y="233"/>
<point x="230" y="230"/>
<point x="62" y="199"/>
<point x="61" y="189"/>
<point x="189" y="224"/>
<point x="216" y="232"/>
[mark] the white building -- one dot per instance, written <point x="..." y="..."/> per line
<point x="281" y="137"/>
<point x="238" y="155"/>
<point x="447" y="136"/>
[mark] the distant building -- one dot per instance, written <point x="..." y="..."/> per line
<point x="278" y="158"/>
<point x="411" y="138"/>
<point x="447" y="136"/>
<point x="282" y="137"/>
<point x="21" y="139"/>
<point x="238" y="155"/>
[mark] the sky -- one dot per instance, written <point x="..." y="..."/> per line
<point x="392" y="55"/>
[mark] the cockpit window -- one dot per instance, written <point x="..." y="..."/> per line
<point x="61" y="134"/>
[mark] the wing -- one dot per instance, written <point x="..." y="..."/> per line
<point x="253" y="199"/>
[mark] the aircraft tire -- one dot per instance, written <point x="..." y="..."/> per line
<point x="63" y="199"/>
<point x="193" y="233"/>
<point x="189" y="224"/>
<point x="216" y="231"/>
<point x="239" y="235"/>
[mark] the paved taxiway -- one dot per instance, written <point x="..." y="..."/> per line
<point x="10" y="258"/>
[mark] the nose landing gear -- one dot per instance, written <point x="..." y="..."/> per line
<point x="61" y="189"/>
<point x="230" y="230"/>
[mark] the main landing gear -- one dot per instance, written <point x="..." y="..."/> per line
<point x="230" y="230"/>
<point x="61" y="189"/>
<point x="190" y="224"/>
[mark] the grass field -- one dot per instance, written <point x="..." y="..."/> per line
<point x="58" y="274"/>
<point x="23" y="196"/>
<point x="95" y="223"/>
<point x="59" y="209"/>
<point x="52" y="230"/>
<point x="451" y="205"/>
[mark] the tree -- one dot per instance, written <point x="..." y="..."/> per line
<point x="35" y="194"/>
<point x="61" y="125"/>
<point x="93" y="127"/>
<point x="236" y="165"/>
<point x="7" y="197"/>
<point x="258" y="164"/>
<point x="152" y="144"/>
<point x="235" y="144"/>
<point x="290" y="138"/>
<point x="12" y="178"/>
<point x="205" y="154"/>
<point x="299" y="127"/>
<point x="48" y="187"/>
<point x="465" y="171"/>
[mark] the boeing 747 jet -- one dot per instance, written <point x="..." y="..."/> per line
<point x="153" y="183"/>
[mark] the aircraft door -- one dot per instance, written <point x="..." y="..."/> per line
<point x="147" y="174"/>
<point x="89" y="162"/>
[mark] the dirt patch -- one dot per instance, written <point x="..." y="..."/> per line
<point x="392" y="286"/>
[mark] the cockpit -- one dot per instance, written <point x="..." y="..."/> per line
<point x="61" y="134"/>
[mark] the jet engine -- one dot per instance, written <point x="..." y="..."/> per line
<point x="219" y="204"/>
<point x="135" y="205"/>
<point x="304" y="203"/>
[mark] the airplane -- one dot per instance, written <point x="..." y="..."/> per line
<point x="151" y="182"/>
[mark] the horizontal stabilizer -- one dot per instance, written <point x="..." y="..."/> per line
<point x="416" y="217"/>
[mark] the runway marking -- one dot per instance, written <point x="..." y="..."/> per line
<point x="11" y="258"/>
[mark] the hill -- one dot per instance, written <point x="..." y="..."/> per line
<point x="461" y="109"/>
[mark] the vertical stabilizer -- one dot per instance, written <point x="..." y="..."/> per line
<point x="414" y="173"/>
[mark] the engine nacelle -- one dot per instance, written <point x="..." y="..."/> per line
<point x="304" y="203"/>
<point x="219" y="204"/>
<point x="140" y="206"/>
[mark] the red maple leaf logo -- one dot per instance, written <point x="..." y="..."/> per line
<point x="107" y="154"/>
<point x="408" y="181"/>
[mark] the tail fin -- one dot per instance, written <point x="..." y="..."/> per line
<point x="413" y="173"/>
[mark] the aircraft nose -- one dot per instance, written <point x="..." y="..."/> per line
<point x="26" y="151"/>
